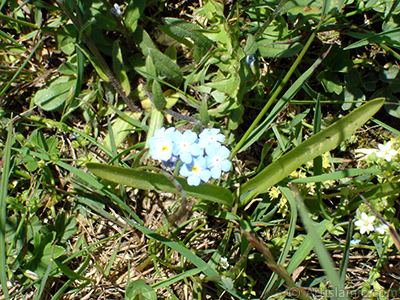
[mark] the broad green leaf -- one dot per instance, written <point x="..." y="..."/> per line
<point x="151" y="69"/>
<point x="143" y="40"/>
<point x="181" y="30"/>
<point x="146" y="180"/>
<point x="95" y="63"/>
<point x="316" y="145"/>
<point x="170" y="96"/>
<point x="158" y="97"/>
<point x="121" y="128"/>
<point x="166" y="67"/>
<point x="229" y="85"/>
<point x="268" y="49"/>
<point x="314" y="9"/>
<point x="133" y="13"/>
<point x="56" y="94"/>
<point x="118" y="65"/>
<point x="251" y="45"/>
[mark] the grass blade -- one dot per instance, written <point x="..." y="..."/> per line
<point x="323" y="254"/>
<point x="5" y="175"/>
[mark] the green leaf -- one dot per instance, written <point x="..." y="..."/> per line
<point x="121" y="129"/>
<point x="133" y="12"/>
<point x="324" y="258"/>
<point x="158" y="97"/>
<point x="56" y="94"/>
<point x="166" y="67"/>
<point x="143" y="40"/>
<point x="268" y="49"/>
<point x="204" y="117"/>
<point x="118" y="65"/>
<point x="316" y="145"/>
<point x="150" y="69"/>
<point x="181" y="30"/>
<point x="251" y="45"/>
<point x="229" y="85"/>
<point x="156" y="122"/>
<point x="95" y="63"/>
<point x="389" y="36"/>
<point x="138" y="290"/>
<point x="279" y="106"/>
<point x="4" y="179"/>
<point x="153" y="181"/>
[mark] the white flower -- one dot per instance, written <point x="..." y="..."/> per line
<point x="116" y="10"/>
<point x="365" y="223"/>
<point x="224" y="263"/>
<point x="363" y="153"/>
<point x="381" y="229"/>
<point x="355" y="241"/>
<point x="386" y="151"/>
<point x="161" y="148"/>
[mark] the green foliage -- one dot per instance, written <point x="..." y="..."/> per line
<point x="86" y="85"/>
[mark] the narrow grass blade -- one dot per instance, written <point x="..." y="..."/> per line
<point x="323" y="254"/>
<point x="316" y="145"/>
<point x="279" y="269"/>
<point x="40" y="290"/>
<point x="172" y="280"/>
<point x="21" y="68"/>
<point x="303" y="251"/>
<point x="388" y="36"/>
<point x="71" y="280"/>
<point x="280" y="105"/>
<point x="273" y="281"/>
<point x="336" y="175"/>
<point x="346" y="253"/>
<point x="274" y="96"/>
<point x="384" y="125"/>
<point x="5" y="175"/>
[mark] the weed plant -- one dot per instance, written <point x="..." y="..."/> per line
<point x="199" y="149"/>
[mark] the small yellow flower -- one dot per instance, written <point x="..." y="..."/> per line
<point x="274" y="192"/>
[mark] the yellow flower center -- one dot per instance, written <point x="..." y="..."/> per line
<point x="165" y="148"/>
<point x="195" y="169"/>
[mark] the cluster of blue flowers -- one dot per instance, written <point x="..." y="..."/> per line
<point x="203" y="157"/>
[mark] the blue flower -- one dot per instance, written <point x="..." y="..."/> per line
<point x="196" y="172"/>
<point x="217" y="160"/>
<point x="186" y="146"/>
<point x="162" y="132"/>
<point x="210" y="136"/>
